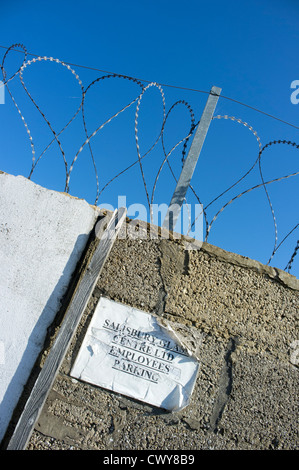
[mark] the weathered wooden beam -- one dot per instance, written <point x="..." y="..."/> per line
<point x="44" y="382"/>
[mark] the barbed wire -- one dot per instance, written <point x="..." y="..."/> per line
<point x="143" y="89"/>
<point x="196" y="90"/>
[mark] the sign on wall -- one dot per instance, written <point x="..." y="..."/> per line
<point x="129" y="352"/>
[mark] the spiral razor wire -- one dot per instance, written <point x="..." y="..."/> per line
<point x="143" y="86"/>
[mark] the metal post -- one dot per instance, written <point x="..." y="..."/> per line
<point x="191" y="161"/>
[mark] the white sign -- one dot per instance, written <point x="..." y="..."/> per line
<point x="129" y="352"/>
<point x="2" y="96"/>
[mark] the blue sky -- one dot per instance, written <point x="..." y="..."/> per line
<point x="248" y="49"/>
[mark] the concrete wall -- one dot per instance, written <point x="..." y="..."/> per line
<point x="42" y="236"/>
<point x="237" y="315"/>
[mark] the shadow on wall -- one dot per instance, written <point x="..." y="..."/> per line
<point x="28" y="369"/>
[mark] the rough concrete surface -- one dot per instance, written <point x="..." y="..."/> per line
<point x="240" y="319"/>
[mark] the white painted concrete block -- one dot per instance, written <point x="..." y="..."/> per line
<point x="42" y="236"/>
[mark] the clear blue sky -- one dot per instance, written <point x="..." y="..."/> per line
<point x="248" y="49"/>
